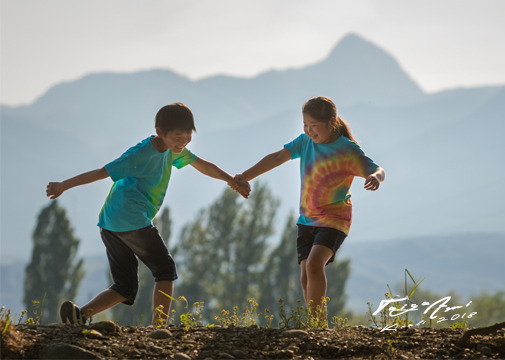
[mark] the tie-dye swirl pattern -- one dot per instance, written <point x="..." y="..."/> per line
<point x="327" y="172"/>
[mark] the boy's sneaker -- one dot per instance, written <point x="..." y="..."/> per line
<point x="71" y="314"/>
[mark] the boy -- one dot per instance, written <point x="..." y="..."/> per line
<point x="141" y="177"/>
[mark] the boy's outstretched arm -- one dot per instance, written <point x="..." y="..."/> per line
<point x="55" y="189"/>
<point x="266" y="164"/>
<point x="212" y="170"/>
<point x="373" y="181"/>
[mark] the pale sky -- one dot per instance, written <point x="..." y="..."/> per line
<point x="441" y="44"/>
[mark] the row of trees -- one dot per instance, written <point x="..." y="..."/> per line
<point x="224" y="256"/>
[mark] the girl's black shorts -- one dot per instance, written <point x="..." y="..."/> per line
<point x="309" y="236"/>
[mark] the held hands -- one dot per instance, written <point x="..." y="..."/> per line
<point x="240" y="185"/>
<point x="54" y="189"/>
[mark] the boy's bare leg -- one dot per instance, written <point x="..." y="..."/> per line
<point x="316" y="277"/>
<point x="160" y="299"/>
<point x="103" y="301"/>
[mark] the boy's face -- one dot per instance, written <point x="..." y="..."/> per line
<point x="176" y="140"/>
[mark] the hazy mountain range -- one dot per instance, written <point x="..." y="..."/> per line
<point x="442" y="152"/>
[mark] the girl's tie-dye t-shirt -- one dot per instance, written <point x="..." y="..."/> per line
<point x="327" y="172"/>
<point x="141" y="177"/>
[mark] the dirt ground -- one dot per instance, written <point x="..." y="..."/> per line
<point x="106" y="340"/>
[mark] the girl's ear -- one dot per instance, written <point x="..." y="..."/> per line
<point x="333" y="124"/>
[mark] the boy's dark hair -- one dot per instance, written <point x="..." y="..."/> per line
<point x="176" y="116"/>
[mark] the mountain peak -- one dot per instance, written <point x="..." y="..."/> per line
<point x="353" y="45"/>
<point x="356" y="64"/>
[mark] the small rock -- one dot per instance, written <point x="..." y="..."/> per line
<point x="225" y="356"/>
<point x="160" y="334"/>
<point x="92" y="334"/>
<point x="239" y="354"/>
<point x="105" y="326"/>
<point x="181" y="356"/>
<point x="66" y="351"/>
<point x="132" y="354"/>
<point x="293" y="348"/>
<point x="295" y="332"/>
<point x="286" y="353"/>
<point x="52" y="325"/>
<point x="484" y="349"/>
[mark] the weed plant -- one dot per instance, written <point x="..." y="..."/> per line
<point x="404" y="319"/>
<point x="191" y="319"/>
<point x="247" y="318"/>
<point x="5" y="321"/>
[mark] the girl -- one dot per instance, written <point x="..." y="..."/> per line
<point x="329" y="159"/>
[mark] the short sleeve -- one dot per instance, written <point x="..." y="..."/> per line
<point x="365" y="165"/>
<point x="295" y="147"/>
<point x="125" y="165"/>
<point x="185" y="157"/>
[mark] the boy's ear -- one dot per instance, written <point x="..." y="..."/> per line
<point x="159" y="132"/>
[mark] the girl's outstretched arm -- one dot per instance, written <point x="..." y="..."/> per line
<point x="373" y="181"/>
<point x="55" y="189"/>
<point x="266" y="164"/>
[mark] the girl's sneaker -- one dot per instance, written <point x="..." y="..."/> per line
<point x="71" y="314"/>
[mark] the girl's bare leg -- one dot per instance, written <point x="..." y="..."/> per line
<point x="303" y="278"/>
<point x="316" y="277"/>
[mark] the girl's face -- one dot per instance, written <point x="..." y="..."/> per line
<point x="319" y="131"/>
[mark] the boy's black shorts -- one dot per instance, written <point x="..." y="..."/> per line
<point x="309" y="236"/>
<point x="123" y="248"/>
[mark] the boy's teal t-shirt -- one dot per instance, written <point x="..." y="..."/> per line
<point x="141" y="177"/>
<point x="327" y="172"/>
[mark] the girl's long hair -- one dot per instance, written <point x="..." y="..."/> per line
<point x="323" y="109"/>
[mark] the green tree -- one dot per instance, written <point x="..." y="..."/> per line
<point x="140" y="312"/>
<point x="53" y="274"/>
<point x="220" y="254"/>
<point x="281" y="277"/>
<point x="490" y="309"/>
<point x="197" y="254"/>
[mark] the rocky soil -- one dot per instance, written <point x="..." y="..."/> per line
<point x="106" y="340"/>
